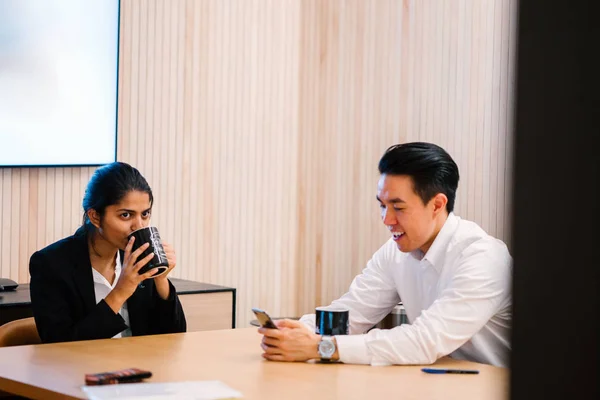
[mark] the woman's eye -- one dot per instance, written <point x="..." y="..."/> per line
<point x="146" y="214"/>
<point x="125" y="215"/>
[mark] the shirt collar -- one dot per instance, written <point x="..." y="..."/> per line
<point x="439" y="248"/>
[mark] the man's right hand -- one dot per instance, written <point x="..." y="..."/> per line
<point x="129" y="278"/>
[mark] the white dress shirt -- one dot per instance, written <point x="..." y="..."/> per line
<point x="102" y="288"/>
<point x="457" y="299"/>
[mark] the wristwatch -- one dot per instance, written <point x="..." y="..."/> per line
<point x="326" y="348"/>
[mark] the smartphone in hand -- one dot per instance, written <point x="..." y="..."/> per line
<point x="264" y="319"/>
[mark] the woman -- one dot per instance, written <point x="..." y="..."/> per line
<point x="87" y="286"/>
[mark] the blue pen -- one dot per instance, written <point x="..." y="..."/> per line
<point x="449" y="371"/>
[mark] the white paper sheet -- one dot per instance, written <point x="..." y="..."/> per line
<point x="191" y="390"/>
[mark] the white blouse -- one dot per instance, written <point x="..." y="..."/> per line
<point x="102" y="288"/>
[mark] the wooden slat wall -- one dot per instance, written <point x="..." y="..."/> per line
<point x="259" y="125"/>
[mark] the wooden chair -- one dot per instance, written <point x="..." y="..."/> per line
<point x="19" y="332"/>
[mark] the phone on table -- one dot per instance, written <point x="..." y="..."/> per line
<point x="263" y="319"/>
<point x="129" y="375"/>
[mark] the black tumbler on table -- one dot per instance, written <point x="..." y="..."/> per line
<point x="331" y="321"/>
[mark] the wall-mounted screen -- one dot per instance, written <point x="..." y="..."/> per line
<point x="58" y="82"/>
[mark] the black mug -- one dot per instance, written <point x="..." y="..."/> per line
<point x="150" y="235"/>
<point x="332" y="321"/>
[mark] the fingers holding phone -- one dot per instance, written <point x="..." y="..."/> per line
<point x="264" y="319"/>
<point x="266" y="322"/>
<point x="287" y="340"/>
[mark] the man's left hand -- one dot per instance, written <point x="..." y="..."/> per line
<point x="293" y="341"/>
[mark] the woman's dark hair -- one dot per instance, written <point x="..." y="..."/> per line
<point x="431" y="168"/>
<point x="108" y="185"/>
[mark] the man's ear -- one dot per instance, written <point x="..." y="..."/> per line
<point x="94" y="217"/>
<point x="439" y="202"/>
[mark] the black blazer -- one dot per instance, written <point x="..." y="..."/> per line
<point x="64" y="303"/>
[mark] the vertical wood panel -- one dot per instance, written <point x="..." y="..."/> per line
<point x="259" y="125"/>
<point x="5" y="228"/>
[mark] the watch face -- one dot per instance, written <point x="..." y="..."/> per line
<point x="326" y="348"/>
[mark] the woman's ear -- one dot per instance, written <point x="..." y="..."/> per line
<point x="94" y="217"/>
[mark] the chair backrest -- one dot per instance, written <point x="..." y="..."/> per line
<point x="19" y="332"/>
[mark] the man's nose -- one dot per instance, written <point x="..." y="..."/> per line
<point x="389" y="218"/>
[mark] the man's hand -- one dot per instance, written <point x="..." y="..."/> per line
<point x="293" y="341"/>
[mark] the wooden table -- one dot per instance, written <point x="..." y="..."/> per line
<point x="206" y="306"/>
<point x="53" y="371"/>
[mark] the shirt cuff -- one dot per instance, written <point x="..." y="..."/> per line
<point x="353" y="349"/>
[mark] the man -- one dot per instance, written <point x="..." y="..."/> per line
<point x="452" y="277"/>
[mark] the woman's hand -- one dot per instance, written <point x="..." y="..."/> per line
<point x="171" y="259"/>
<point x="160" y="282"/>
<point x="130" y="277"/>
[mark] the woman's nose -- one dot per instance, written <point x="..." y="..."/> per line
<point x="137" y="223"/>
